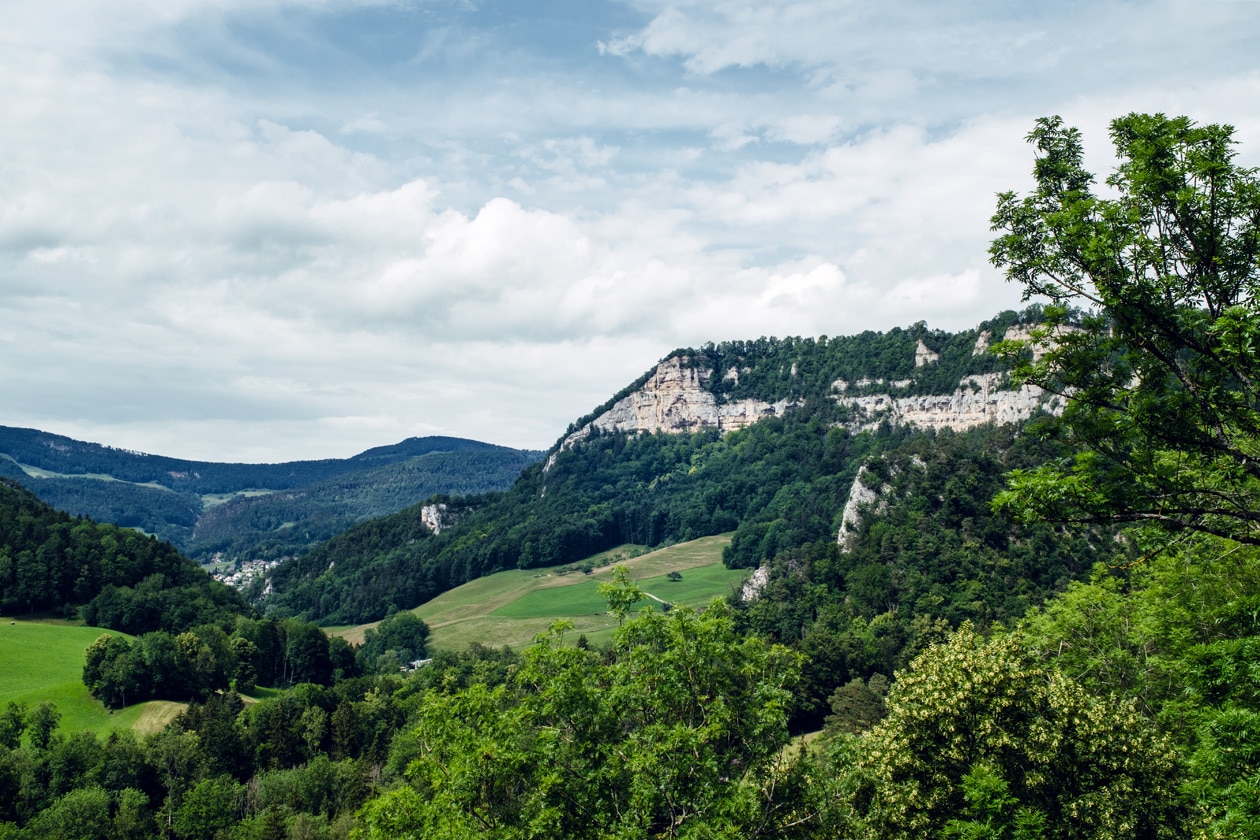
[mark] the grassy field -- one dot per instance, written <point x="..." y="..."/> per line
<point x="43" y="661"/>
<point x="511" y="608"/>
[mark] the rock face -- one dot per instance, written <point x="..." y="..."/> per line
<point x="755" y="585"/>
<point x="1039" y="348"/>
<point x="674" y="399"/>
<point x="436" y="517"/>
<point x="976" y="400"/>
<point x="861" y="500"/>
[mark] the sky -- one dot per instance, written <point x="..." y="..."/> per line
<point x="268" y="230"/>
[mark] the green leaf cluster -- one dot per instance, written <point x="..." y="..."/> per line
<point x="675" y="731"/>
<point x="1161" y="377"/>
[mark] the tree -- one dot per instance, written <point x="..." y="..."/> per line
<point x="676" y="732"/>
<point x="82" y="814"/>
<point x="981" y="742"/>
<point x="213" y="806"/>
<point x="1162" y="372"/>
<point x="109" y="671"/>
<point x="404" y="633"/>
<point x="41" y="725"/>
<point x="620" y="593"/>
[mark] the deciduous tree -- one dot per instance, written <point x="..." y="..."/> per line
<point x="1162" y="373"/>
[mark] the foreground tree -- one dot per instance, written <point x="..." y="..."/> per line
<point x="675" y="732"/>
<point x="1163" y="374"/>
<point x="981" y="742"/>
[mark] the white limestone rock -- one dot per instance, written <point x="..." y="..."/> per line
<point x="976" y="400"/>
<point x="755" y="585"/>
<point x="436" y="517"/>
<point x="862" y="499"/>
<point x="674" y="399"/>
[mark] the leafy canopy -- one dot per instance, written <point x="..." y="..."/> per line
<point x="1162" y="370"/>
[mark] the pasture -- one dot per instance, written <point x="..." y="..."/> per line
<point x="512" y="607"/>
<point x="43" y="661"/>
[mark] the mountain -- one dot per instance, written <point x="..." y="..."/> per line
<point x="248" y="510"/>
<point x="766" y="438"/>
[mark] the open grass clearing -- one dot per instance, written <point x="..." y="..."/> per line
<point x="42" y="661"/>
<point x="512" y="607"/>
<point x="155" y="715"/>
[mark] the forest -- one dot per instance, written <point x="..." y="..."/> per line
<point x="250" y="511"/>
<point x="1048" y="631"/>
<point x="778" y="483"/>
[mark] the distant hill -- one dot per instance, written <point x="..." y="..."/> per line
<point x="248" y="510"/>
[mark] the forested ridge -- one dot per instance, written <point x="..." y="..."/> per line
<point x="1047" y="631"/>
<point x="250" y="511"/>
<point x="60" y="454"/>
<point x="779" y="483"/>
<point x="52" y="561"/>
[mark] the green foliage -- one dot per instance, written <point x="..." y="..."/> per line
<point x="197" y="663"/>
<point x="620" y="593"/>
<point x="675" y="732"/>
<point x="211" y="807"/>
<point x="125" y="580"/>
<point x="1179" y="634"/>
<point x="981" y="742"/>
<point x="1163" y="413"/>
<point x="403" y="635"/>
<point x="932" y="556"/>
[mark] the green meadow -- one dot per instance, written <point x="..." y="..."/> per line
<point x="43" y="661"/>
<point x="511" y="608"/>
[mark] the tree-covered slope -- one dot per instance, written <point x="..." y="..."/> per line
<point x="293" y="521"/>
<point x="52" y="561"/>
<point x="65" y="456"/>
<point x="781" y="482"/>
<point x="304" y="503"/>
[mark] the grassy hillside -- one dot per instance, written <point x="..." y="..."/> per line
<point x="43" y="661"/>
<point x="510" y="608"/>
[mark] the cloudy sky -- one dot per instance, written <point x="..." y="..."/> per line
<point x="261" y="230"/>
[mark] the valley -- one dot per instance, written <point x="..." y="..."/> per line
<point x="240" y="512"/>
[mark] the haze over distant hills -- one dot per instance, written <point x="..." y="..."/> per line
<point x="244" y="511"/>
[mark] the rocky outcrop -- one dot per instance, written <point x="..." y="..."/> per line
<point x="755" y="585"/>
<point x="675" y="399"/>
<point x="436" y="517"/>
<point x="861" y="499"/>
<point x="865" y="500"/>
<point x="1041" y="347"/>
<point x="976" y="400"/>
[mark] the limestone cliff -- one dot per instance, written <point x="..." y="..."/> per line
<point x="680" y="395"/>
<point x="861" y="499"/>
<point x="675" y="399"/>
<point x="977" y="399"/>
<point x="436" y="517"/>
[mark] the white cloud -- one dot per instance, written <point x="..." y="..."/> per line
<point x="214" y="245"/>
